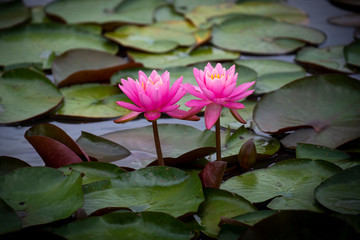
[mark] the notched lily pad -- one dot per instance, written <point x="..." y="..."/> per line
<point x="26" y="94"/>
<point x="91" y="101"/>
<point x="86" y="65"/>
<point x="181" y="57"/>
<point x="40" y="43"/>
<point x="264" y="36"/>
<point x="322" y="109"/>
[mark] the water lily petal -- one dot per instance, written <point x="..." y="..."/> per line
<point x="237" y="116"/>
<point x="229" y="89"/>
<point x="234" y="105"/>
<point x="193" y="90"/>
<point x="146" y="102"/>
<point x="192" y="112"/>
<point x="242" y="96"/>
<point x="152" y="116"/>
<point x="240" y="89"/>
<point x="128" y="117"/>
<point x="169" y="108"/>
<point x="175" y="87"/>
<point x="212" y="114"/>
<point x="197" y="103"/>
<point x="129" y="106"/>
<point x="181" y="114"/>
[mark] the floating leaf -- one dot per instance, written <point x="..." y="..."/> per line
<point x="93" y="171"/>
<point x="9" y="221"/>
<point x="181" y="57"/>
<point x="167" y="13"/>
<point x="8" y="164"/>
<point x="91" y="101"/>
<point x="26" y="94"/>
<point x="323" y="60"/>
<point x="42" y="42"/>
<point x="352" y="53"/>
<point x="341" y="192"/>
<point x="181" y="142"/>
<point x="146" y="225"/>
<point x="347" y="20"/>
<point x="332" y="155"/>
<point x="102" y="12"/>
<point x="55" y="147"/>
<point x="272" y="74"/>
<point x="265" y="36"/>
<point x="300" y="225"/>
<point x="219" y="203"/>
<point x="184" y="6"/>
<point x="150" y="38"/>
<point x="281" y="12"/>
<point x="213" y="173"/>
<point x="86" y="65"/>
<point x="252" y="218"/>
<point x="324" y="107"/>
<point x="13" y="13"/>
<point x="161" y="189"/>
<point x="100" y="148"/>
<point x="41" y="195"/>
<point x="290" y="183"/>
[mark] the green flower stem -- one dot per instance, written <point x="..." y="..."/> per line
<point x="218" y="140"/>
<point x="157" y="143"/>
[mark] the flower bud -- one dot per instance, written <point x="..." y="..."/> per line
<point x="247" y="154"/>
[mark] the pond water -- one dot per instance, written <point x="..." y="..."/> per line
<point x="13" y="143"/>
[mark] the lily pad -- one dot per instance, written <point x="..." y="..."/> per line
<point x="93" y="171"/>
<point x="42" y="42"/>
<point x="13" y="13"/>
<point x="26" y="94"/>
<point x="102" y="12"/>
<point x="181" y="57"/>
<point x="281" y="12"/>
<point x="272" y="74"/>
<point x="332" y="155"/>
<point x="124" y="226"/>
<point x="352" y="53"/>
<point x="219" y="203"/>
<point x="347" y="20"/>
<point x="177" y="141"/>
<point x="184" y="6"/>
<point x="322" y="109"/>
<point x="290" y="183"/>
<point x="323" y="60"/>
<point x="150" y="39"/>
<point x="167" y="13"/>
<point x="341" y="192"/>
<point x="41" y="195"/>
<point x="161" y="189"/>
<point x="91" y="101"/>
<point x="86" y="65"/>
<point x="264" y="36"/>
<point x="9" y="221"/>
<point x="100" y="148"/>
<point x="252" y="218"/>
<point x="8" y="164"/>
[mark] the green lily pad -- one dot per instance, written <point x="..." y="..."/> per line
<point x="181" y="57"/>
<point x="177" y="141"/>
<point x="41" y="195"/>
<point x="93" y="171"/>
<point x="341" y="192"/>
<point x="219" y="203"/>
<point x="42" y="42"/>
<point x="290" y="183"/>
<point x="280" y="12"/>
<point x="252" y="218"/>
<point x="332" y="155"/>
<point x="150" y="39"/>
<point x="161" y="189"/>
<point x="264" y="36"/>
<point x="124" y="226"/>
<point x="8" y="164"/>
<point x="26" y="94"/>
<point x="102" y="12"/>
<point x="323" y="60"/>
<point x="352" y="53"/>
<point x="265" y="145"/>
<point x="227" y="120"/>
<point x="91" y="101"/>
<point x="322" y="109"/>
<point x="86" y="65"/>
<point x="184" y="6"/>
<point x="167" y="13"/>
<point x="13" y="13"/>
<point x="100" y="148"/>
<point x="9" y="221"/>
<point x="272" y="74"/>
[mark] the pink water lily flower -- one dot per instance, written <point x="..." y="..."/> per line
<point x="217" y="89"/>
<point x="152" y="96"/>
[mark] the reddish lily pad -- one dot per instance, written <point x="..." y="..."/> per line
<point x="26" y="94"/>
<point x="261" y="35"/>
<point x="91" y="101"/>
<point x="348" y="20"/>
<point x="54" y="146"/>
<point x="322" y="109"/>
<point x="86" y="65"/>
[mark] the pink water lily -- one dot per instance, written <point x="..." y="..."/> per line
<point x="152" y="96"/>
<point x="217" y="89"/>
